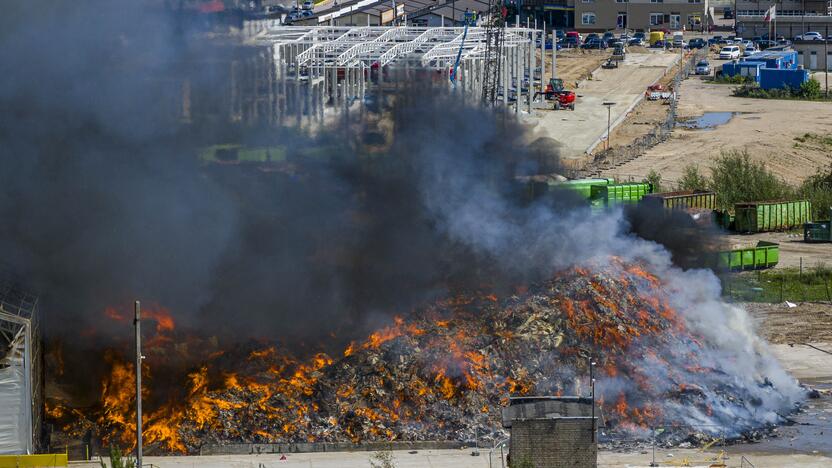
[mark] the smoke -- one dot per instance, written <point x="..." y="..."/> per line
<point x="104" y="200"/>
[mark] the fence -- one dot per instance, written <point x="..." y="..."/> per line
<point x="618" y="155"/>
<point x="774" y="286"/>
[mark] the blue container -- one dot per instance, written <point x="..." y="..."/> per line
<point x="779" y="59"/>
<point x="751" y="69"/>
<point x="772" y="78"/>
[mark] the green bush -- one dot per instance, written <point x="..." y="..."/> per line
<point x="655" y="179"/>
<point x="818" y="190"/>
<point x="810" y="89"/>
<point x="117" y="460"/>
<point x="692" y="179"/>
<point x="736" y="178"/>
<point x="736" y="79"/>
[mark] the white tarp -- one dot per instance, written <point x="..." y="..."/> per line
<point x="13" y="421"/>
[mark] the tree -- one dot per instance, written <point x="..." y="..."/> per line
<point x="692" y="179"/>
<point x="736" y="179"/>
<point x="655" y="179"/>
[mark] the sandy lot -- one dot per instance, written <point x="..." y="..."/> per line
<point x="578" y="130"/>
<point x="765" y="128"/>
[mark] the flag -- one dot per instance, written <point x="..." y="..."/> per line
<point x="771" y="14"/>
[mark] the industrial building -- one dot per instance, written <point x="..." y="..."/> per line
<point x="792" y="17"/>
<point x="552" y="432"/>
<point x="21" y="388"/>
<point x="604" y="15"/>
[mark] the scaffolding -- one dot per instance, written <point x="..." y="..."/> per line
<point x="307" y="69"/>
<point x="21" y="386"/>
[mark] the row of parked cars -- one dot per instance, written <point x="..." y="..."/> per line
<point x="572" y="39"/>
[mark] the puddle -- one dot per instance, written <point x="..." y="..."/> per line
<point x="708" y="120"/>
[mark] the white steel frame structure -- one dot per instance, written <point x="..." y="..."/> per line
<point x="312" y="67"/>
<point x="20" y="379"/>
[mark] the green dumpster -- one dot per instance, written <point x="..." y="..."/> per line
<point x="616" y="194"/>
<point x="764" y="255"/>
<point x="771" y="216"/>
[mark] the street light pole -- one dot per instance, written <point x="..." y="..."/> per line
<point x="609" y="119"/>
<point x="137" y="321"/>
<point x="592" y="393"/>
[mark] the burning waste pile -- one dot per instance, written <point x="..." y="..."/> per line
<point x="444" y="372"/>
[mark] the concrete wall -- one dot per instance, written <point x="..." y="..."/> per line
<point x="554" y="443"/>
<point x="822" y="56"/>
<point x="638" y="14"/>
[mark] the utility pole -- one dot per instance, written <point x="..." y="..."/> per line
<point x="592" y="389"/>
<point x="609" y="118"/>
<point x="137" y="321"/>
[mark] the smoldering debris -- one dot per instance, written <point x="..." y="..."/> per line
<point x="444" y="372"/>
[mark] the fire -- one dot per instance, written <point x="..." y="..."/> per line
<point x="468" y="352"/>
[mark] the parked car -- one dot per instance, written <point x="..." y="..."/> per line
<point x="574" y="34"/>
<point x="714" y="40"/>
<point x="591" y="36"/>
<point x="765" y="44"/>
<point x="658" y="45"/>
<point x="571" y="42"/>
<point x="703" y="68"/>
<point x="810" y="36"/>
<point x="636" y="41"/>
<point x="639" y="35"/>
<point x="749" y="51"/>
<point x="696" y="43"/>
<point x="727" y="13"/>
<point x="560" y="35"/>
<point x="746" y="44"/>
<point x="608" y="35"/>
<point x="594" y="43"/>
<point x="308" y="5"/>
<point x="729" y="52"/>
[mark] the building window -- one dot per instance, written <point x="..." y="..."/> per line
<point x="621" y="1"/>
<point x="656" y="19"/>
<point x="656" y="1"/>
<point x="587" y="1"/>
<point x="588" y="18"/>
<point x="694" y="1"/>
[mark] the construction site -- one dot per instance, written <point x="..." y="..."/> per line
<point x="418" y="235"/>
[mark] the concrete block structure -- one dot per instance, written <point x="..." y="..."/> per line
<point x="552" y="432"/>
<point x="674" y="15"/>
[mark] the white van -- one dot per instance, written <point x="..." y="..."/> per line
<point x="730" y="52"/>
<point x="678" y="39"/>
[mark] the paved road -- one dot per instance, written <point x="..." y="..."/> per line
<point x="578" y="130"/>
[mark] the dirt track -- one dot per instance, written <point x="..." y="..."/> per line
<point x="767" y="129"/>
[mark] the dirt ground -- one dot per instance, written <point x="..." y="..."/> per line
<point x="780" y="324"/>
<point x="767" y="129"/>
<point x="575" y="64"/>
<point x="792" y="248"/>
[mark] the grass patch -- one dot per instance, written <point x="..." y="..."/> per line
<point x="808" y="91"/>
<point x="731" y="80"/>
<point x="774" y="286"/>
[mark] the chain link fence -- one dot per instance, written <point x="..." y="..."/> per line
<point x="612" y="157"/>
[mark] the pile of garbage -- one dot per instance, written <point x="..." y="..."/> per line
<point x="445" y="371"/>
